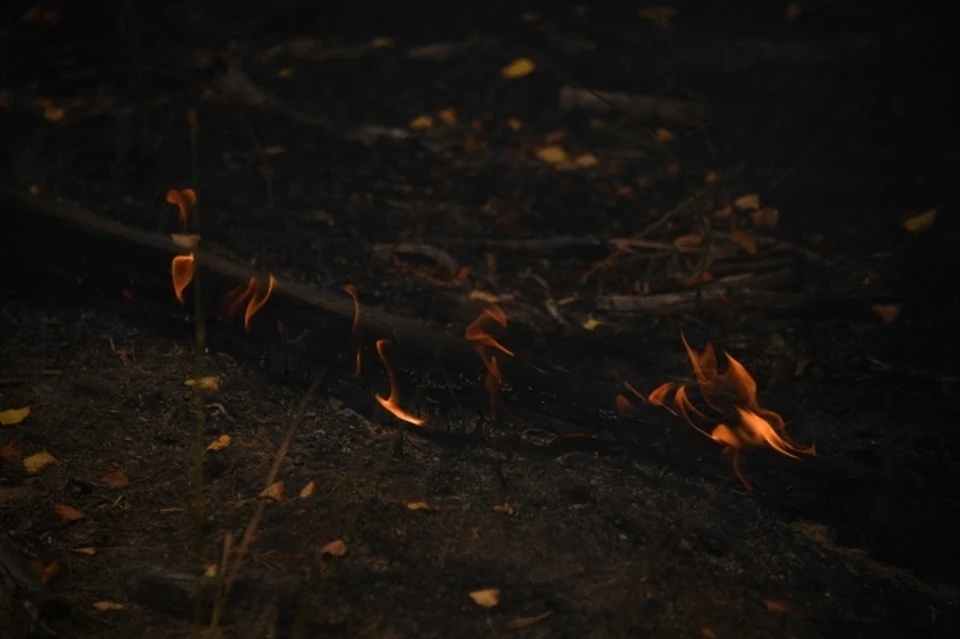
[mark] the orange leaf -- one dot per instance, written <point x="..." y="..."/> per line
<point x="421" y="123"/>
<point x="749" y="201"/>
<point x="745" y="241"/>
<point x="448" y="116"/>
<point x="68" y="513"/>
<point x="276" y="491"/>
<point x="86" y="550"/>
<point x="663" y="135"/>
<point x="887" y="312"/>
<point x="777" y="606"/>
<point x="49" y="572"/>
<point x="308" y="490"/>
<point x="523" y="622"/>
<point x="487" y="597"/>
<point x="337" y="548"/>
<point x="116" y="479"/>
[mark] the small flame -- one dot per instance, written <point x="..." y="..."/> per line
<point x="624" y="407"/>
<point x="476" y="333"/>
<point x="182" y="269"/>
<point x="184" y="200"/>
<point x="251" y="295"/>
<point x="392" y="403"/>
<point x="258" y="300"/>
<point x="351" y="290"/>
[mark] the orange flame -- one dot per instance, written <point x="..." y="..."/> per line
<point x="184" y="200"/>
<point x="392" y="403"/>
<point x="182" y="269"/>
<point x="351" y="290"/>
<point x="624" y="407"/>
<point x="476" y="333"/>
<point x="258" y="300"/>
<point x="251" y="295"/>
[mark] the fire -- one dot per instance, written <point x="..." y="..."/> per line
<point x="184" y="200"/>
<point x="392" y="403"/>
<point x="758" y="427"/>
<point x="494" y="377"/>
<point x="476" y="332"/>
<point x="252" y="296"/>
<point x="351" y="290"/>
<point x="182" y="269"/>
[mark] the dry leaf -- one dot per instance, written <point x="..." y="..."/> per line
<point x="488" y="597"/>
<point x="523" y="622"/>
<point x="209" y="382"/>
<point x="49" y="572"/>
<point x="275" y="149"/>
<point x="552" y="154"/>
<point x="586" y="160"/>
<point x="777" y="606"/>
<point x="104" y="606"/>
<point x="115" y="479"/>
<point x="448" y="116"/>
<point x="383" y="43"/>
<point x="69" y="513"/>
<point x="53" y="113"/>
<point x="421" y="123"/>
<point x="887" y="312"/>
<point x="746" y="202"/>
<point x="514" y="125"/>
<point x="285" y="72"/>
<point x="12" y="452"/>
<point x="90" y="551"/>
<point x="38" y="461"/>
<point x="745" y="241"/>
<point x="519" y="68"/>
<point x="13" y="416"/>
<point x="591" y="323"/>
<point x="707" y="633"/>
<point x="219" y="443"/>
<point x="921" y="222"/>
<point x="308" y="490"/>
<point x="337" y="548"/>
<point x="711" y="177"/>
<point x="484" y="296"/>
<point x="276" y="491"/>
<point x="767" y="216"/>
<point x="418" y="505"/>
<point x="506" y="509"/>
<point x="663" y="135"/>
<point x="688" y="241"/>
<point x="210" y="570"/>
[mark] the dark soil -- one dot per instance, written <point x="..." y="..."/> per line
<point x="833" y="117"/>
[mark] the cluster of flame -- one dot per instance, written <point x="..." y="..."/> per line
<point x="734" y="391"/>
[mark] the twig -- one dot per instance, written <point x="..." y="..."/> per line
<point x="669" y="109"/>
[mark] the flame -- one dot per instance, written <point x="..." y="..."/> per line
<point x="494" y="377"/>
<point x="624" y="407"/>
<point x="184" y="200"/>
<point x="182" y="269"/>
<point x="476" y="333"/>
<point x="251" y="295"/>
<point x="351" y="290"/>
<point x="392" y="403"/>
<point x="258" y="300"/>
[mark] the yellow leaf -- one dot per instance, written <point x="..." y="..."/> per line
<point x="383" y="43"/>
<point x="421" y="123"/>
<point x="209" y="382"/>
<point x="484" y="296"/>
<point x="745" y="241"/>
<point x="660" y="14"/>
<point x="767" y="216"/>
<point x="488" y="597"/>
<point x="337" y="548"/>
<point x="749" y="201"/>
<point x="586" y="160"/>
<point x="591" y="323"/>
<point x="552" y="154"/>
<point x="210" y="570"/>
<point x="663" y="135"/>
<point x="104" y="606"/>
<point x="219" y="443"/>
<point x="523" y="622"/>
<point x="308" y="490"/>
<point x="418" y="505"/>
<point x="115" y="479"/>
<point x="276" y="491"/>
<point x="38" y="461"/>
<point x="777" y="606"/>
<point x="13" y="416"/>
<point x="68" y="513"/>
<point x="921" y="222"/>
<point x="887" y="312"/>
<point x="519" y="68"/>
<point x="506" y="509"/>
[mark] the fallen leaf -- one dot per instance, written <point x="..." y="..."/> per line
<point x="707" y="633"/>
<point x="115" y="479"/>
<point x="688" y="241"/>
<point x="488" y="597"/>
<point x="12" y="452"/>
<point x="777" y="606"/>
<point x="767" y="216"/>
<point x="749" y="201"/>
<point x="663" y="135"/>
<point x="506" y="509"/>
<point x="275" y="149"/>
<point x="104" y="606"/>
<point x="53" y="113"/>
<point x="519" y="68"/>
<point x="418" y="505"/>
<point x="591" y="323"/>
<point x="219" y="443"/>
<point x="210" y="570"/>
<point x="49" y="572"/>
<point x="285" y="72"/>
<point x="523" y="622"/>
<point x="276" y="491"/>
<point x="484" y="296"/>
<point x="552" y="154"/>
<point x="887" y="312"/>
<point x="90" y="551"/>
<point x="209" y="382"/>
<point x="383" y="43"/>
<point x="514" y="125"/>
<point x="586" y="160"/>
<point x="660" y="14"/>
<point x="448" y="116"/>
<point x="337" y="548"/>
<point x="921" y="222"/>
<point x="13" y="416"/>
<point x="711" y="177"/>
<point x="308" y="490"/>
<point x="69" y="513"/>
<point x="745" y="241"/>
<point x="421" y="123"/>
<point x="38" y="461"/>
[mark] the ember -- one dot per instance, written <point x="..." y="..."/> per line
<point x="392" y="403"/>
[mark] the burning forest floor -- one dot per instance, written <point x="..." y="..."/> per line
<point x="489" y="240"/>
